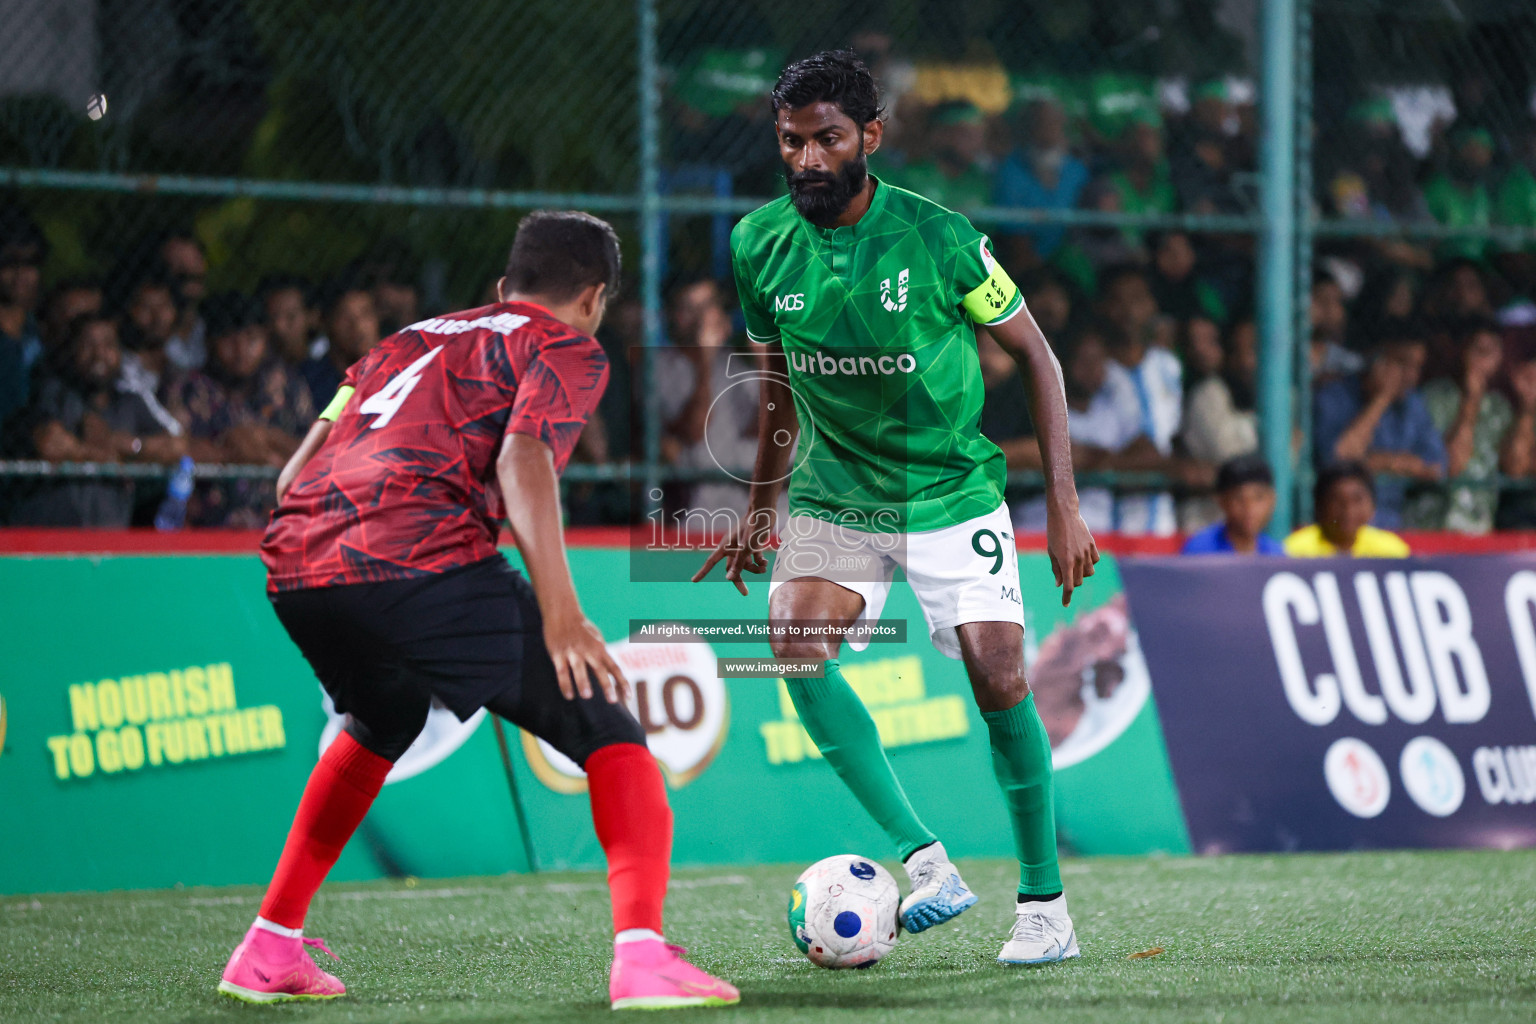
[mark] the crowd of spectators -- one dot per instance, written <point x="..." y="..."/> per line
<point x="147" y="367"/>
<point x="1422" y="352"/>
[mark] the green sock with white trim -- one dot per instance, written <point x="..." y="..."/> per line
<point x="842" y="729"/>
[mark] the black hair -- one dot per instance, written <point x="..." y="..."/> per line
<point x="1252" y="468"/>
<point x="228" y="312"/>
<point x="1111" y="276"/>
<point x="1091" y="326"/>
<point x="557" y="253"/>
<point x="71" y="284"/>
<point x="155" y="277"/>
<point x="1395" y="332"/>
<point x="338" y="288"/>
<point x="282" y="282"/>
<point x="1335" y="473"/>
<point x="832" y="76"/>
<point x="19" y="231"/>
<point x="1464" y="328"/>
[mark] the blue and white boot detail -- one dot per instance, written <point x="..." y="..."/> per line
<point x="938" y="894"/>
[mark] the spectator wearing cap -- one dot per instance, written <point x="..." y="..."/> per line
<point x="957" y="172"/>
<point x="245" y="406"/>
<point x="1378" y="417"/>
<point x="1476" y="421"/>
<point x="1041" y="174"/>
<point x="290" y="316"/>
<point x="1245" y="490"/>
<point x="22" y="251"/>
<point x="351" y="323"/>
<point x="82" y="413"/>
<point x="1344" y="499"/>
<point x="1144" y="181"/>
<point x="1202" y="162"/>
<point x="1460" y="196"/>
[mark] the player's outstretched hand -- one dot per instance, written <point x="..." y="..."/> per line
<point x="580" y="655"/>
<point x="742" y="548"/>
<point x="1072" y="550"/>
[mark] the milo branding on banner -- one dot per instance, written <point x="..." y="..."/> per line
<point x="678" y="699"/>
<point x="1342" y="703"/>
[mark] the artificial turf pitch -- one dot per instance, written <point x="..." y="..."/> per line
<point x="1394" y="937"/>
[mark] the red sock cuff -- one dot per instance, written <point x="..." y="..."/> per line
<point x="356" y="763"/>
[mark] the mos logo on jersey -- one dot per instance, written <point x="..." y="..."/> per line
<point x="897" y="301"/>
<point x="678" y="698"/>
<point x="789" y="303"/>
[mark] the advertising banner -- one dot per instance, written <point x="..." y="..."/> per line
<point x="1341" y="703"/>
<point x="157" y="727"/>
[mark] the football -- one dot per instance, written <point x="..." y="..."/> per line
<point x="842" y="912"/>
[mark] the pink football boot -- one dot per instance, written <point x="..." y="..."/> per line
<point x="271" y="968"/>
<point x="651" y="975"/>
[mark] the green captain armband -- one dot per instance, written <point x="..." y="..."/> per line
<point x="994" y="300"/>
<point x="343" y="396"/>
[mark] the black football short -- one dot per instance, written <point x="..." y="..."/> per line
<point x="471" y="637"/>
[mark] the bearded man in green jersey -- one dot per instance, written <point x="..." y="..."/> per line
<point x="867" y="298"/>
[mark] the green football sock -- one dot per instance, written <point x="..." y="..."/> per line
<point x="841" y="727"/>
<point x="1021" y="759"/>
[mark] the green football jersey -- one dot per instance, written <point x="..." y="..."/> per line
<point x="877" y="321"/>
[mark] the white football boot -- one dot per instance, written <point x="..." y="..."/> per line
<point x="938" y="894"/>
<point x="1042" y="934"/>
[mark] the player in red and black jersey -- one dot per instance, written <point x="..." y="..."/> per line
<point x="382" y="565"/>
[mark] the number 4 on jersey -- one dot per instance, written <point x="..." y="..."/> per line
<point x="387" y="401"/>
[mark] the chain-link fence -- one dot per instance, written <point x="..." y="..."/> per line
<point x="325" y="172"/>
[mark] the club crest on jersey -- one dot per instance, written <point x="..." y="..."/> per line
<point x="897" y="302"/>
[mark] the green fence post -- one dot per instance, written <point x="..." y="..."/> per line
<point x="1277" y="247"/>
<point x="1301" y="314"/>
<point x="650" y="249"/>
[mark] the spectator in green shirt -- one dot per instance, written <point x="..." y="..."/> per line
<point x="1515" y="205"/>
<point x="1143" y="182"/>
<point x="956" y="173"/>
<point x="1459" y="196"/>
<point x="1475" y="420"/>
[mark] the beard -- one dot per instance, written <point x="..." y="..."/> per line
<point x="822" y="204"/>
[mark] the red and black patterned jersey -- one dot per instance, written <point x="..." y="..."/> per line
<point x="405" y="485"/>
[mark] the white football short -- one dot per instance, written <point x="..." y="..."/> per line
<point x="963" y="573"/>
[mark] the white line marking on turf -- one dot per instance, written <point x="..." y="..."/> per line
<point x="450" y="893"/>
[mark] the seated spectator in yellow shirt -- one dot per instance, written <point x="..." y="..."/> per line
<point x="1345" y="501"/>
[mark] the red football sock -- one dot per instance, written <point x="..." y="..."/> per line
<point x="634" y="824"/>
<point x="339" y="793"/>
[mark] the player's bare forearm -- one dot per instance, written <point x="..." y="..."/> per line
<point x="777" y="428"/>
<point x="1070" y="546"/>
<point x="531" y="490"/>
<point x="1022" y="339"/>
<point x="312" y="443"/>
